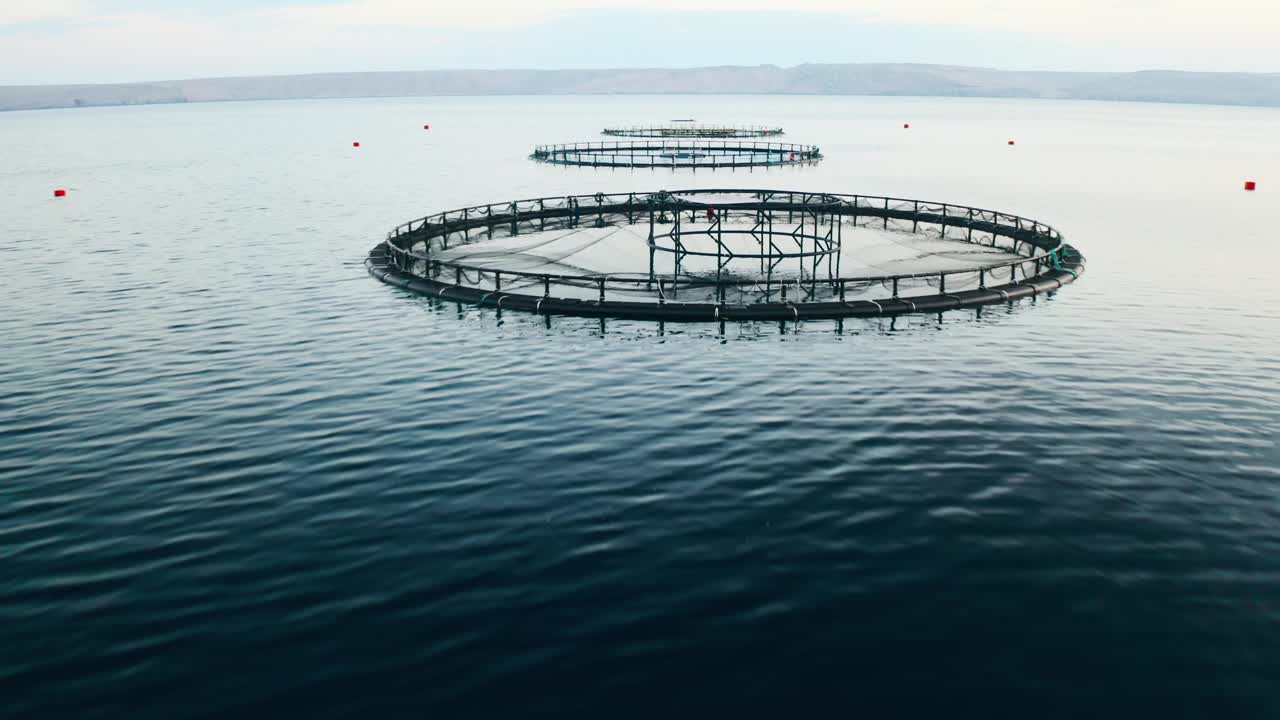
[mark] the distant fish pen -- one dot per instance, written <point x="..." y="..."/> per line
<point x="677" y="154"/>
<point x="725" y="255"/>
<point x="694" y="131"/>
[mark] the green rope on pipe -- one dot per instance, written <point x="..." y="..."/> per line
<point x="1057" y="264"/>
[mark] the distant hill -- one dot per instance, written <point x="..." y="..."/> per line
<point x="853" y="79"/>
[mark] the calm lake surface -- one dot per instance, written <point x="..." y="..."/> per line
<point x="238" y="476"/>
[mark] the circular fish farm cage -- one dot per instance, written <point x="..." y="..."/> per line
<point x="694" y="132"/>
<point x="695" y="154"/>
<point x="724" y="255"/>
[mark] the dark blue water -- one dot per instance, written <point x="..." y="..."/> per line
<point x="239" y="477"/>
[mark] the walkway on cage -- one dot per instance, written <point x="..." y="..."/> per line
<point x="726" y="254"/>
<point x="693" y="132"/>
<point x="704" y="154"/>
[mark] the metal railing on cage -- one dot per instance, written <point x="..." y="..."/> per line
<point x="1043" y="244"/>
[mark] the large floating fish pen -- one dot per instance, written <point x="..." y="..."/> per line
<point x="678" y="154"/>
<point x="703" y="132"/>
<point x="721" y="255"/>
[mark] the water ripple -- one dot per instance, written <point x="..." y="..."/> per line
<point x="241" y="476"/>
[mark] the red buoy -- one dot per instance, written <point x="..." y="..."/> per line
<point x="426" y="127"/>
<point x="1250" y="185"/>
<point x="906" y="126"/>
<point x="59" y="193"/>
<point x="355" y="144"/>
<point x="793" y="156"/>
<point x="1012" y="142"/>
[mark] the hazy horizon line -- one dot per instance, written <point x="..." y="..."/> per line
<point x="817" y="79"/>
<point x="645" y="68"/>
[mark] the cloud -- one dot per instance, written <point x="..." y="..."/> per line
<point x="1138" y="18"/>
<point x="160" y="47"/>
<point x="465" y="15"/>
<point x="17" y="12"/>
<point x="112" y="40"/>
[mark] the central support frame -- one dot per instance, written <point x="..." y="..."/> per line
<point x="816" y="232"/>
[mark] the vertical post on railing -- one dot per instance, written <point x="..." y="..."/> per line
<point x="886" y="213"/>
<point x="841" y="291"/>
<point x="602" y="289"/>
<point x="497" y="281"/>
<point x="895" y="288"/>
<point x="942" y="283"/>
<point x="915" y="220"/>
<point x="813" y="269"/>
<point x="982" y="279"/>
<point x="546" y="286"/>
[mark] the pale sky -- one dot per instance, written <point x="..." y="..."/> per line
<point x="63" y="41"/>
